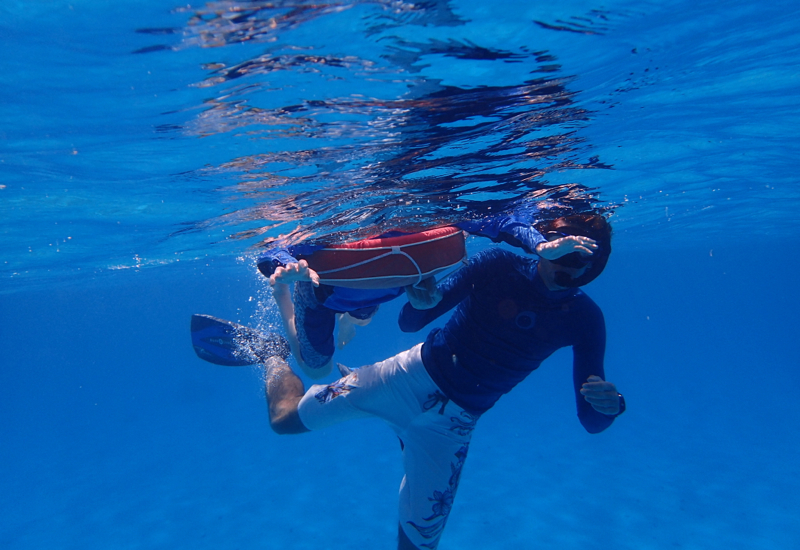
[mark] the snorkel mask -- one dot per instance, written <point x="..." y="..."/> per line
<point x="587" y="225"/>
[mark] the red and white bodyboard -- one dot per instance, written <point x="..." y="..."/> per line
<point x="389" y="262"/>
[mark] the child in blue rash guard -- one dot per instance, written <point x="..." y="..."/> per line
<point x="310" y="314"/>
<point x="511" y="313"/>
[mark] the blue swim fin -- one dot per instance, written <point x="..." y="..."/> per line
<point x="233" y="345"/>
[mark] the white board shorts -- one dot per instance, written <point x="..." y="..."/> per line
<point x="434" y="432"/>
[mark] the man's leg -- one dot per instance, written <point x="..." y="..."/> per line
<point x="435" y="433"/>
<point x="399" y="391"/>
<point x="434" y="451"/>
<point x="284" y="390"/>
<point x="327" y="404"/>
<point x="402" y="540"/>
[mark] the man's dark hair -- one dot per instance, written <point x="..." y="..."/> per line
<point x="593" y="226"/>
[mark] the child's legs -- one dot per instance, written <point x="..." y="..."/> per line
<point x="315" y="326"/>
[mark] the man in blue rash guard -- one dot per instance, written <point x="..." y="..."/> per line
<point x="312" y="311"/>
<point x="511" y="313"/>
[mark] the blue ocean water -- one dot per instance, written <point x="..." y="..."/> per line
<point x="148" y="149"/>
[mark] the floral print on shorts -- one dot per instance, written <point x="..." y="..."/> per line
<point x="343" y="386"/>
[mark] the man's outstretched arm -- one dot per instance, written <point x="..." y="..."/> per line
<point x="515" y="229"/>
<point x="598" y="400"/>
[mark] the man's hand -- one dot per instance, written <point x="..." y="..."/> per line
<point x="553" y="250"/>
<point x="294" y="272"/>
<point x="601" y="395"/>
<point x="424" y="295"/>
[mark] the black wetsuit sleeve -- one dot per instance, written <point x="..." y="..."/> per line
<point x="588" y="353"/>
<point x="454" y="289"/>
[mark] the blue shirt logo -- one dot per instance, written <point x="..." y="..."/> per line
<point x="526" y="320"/>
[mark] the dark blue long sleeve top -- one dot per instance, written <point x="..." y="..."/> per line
<point x="507" y="322"/>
